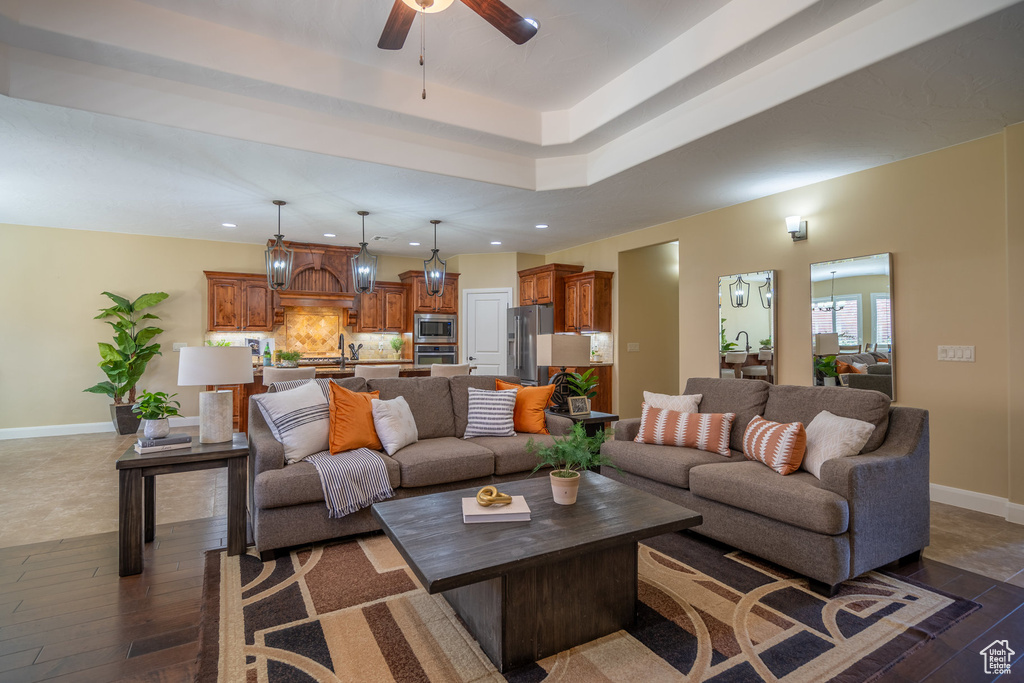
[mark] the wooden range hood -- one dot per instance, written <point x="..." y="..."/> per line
<point x="321" y="276"/>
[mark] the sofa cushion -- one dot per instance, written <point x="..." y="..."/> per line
<point x="350" y="383"/>
<point x="352" y="420"/>
<point x="745" y="397"/>
<point x="667" y="464"/>
<point x="395" y="425"/>
<point x="299" y="483"/>
<point x="429" y="399"/>
<point x="460" y="385"/>
<point x="796" y="499"/>
<point x="443" y="460"/>
<point x="510" y="454"/>
<point x="787" y="403"/>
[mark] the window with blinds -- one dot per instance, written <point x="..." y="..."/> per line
<point x="882" y="318"/>
<point x="844" y="319"/>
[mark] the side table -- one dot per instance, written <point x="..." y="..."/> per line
<point x="591" y="421"/>
<point x="136" y="473"/>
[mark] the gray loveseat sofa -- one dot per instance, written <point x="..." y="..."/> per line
<point x="286" y="502"/>
<point x="866" y="510"/>
<point x="877" y="378"/>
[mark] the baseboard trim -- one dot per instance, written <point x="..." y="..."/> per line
<point x="80" y="428"/>
<point x="979" y="502"/>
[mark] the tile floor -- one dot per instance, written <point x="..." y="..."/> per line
<point x="66" y="486"/>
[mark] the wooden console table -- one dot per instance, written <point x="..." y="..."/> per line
<point x="136" y="486"/>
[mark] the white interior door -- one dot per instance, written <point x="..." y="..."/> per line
<point x="485" y="325"/>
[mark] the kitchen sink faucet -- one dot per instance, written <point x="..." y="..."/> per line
<point x="744" y="333"/>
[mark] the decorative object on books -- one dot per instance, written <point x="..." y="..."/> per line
<point x="154" y="408"/>
<point x="288" y="359"/>
<point x="489" y="495"/>
<point x="215" y="365"/>
<point x="475" y="512"/>
<point x="569" y="456"/>
<point x="579" y="405"/>
<point x="125" y="360"/>
<point x="562" y="351"/>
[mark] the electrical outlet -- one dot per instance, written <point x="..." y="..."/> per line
<point x="956" y="354"/>
<point x="178" y="346"/>
<point x="632" y="347"/>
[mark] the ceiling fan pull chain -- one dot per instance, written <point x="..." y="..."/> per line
<point x="423" y="51"/>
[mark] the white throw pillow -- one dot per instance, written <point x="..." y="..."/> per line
<point x="299" y="418"/>
<point x="394" y="423"/>
<point x="684" y="403"/>
<point x="490" y="413"/>
<point x="861" y="367"/>
<point x="830" y="436"/>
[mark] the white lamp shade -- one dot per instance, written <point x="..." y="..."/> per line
<point x="826" y="344"/>
<point x="793" y="223"/>
<point x="215" y="365"/>
<point x="563" y="350"/>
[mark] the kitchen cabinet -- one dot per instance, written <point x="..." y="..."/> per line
<point x="421" y="302"/>
<point x="383" y="309"/>
<point x="602" y="402"/>
<point x="238" y="302"/>
<point x="588" y="302"/>
<point x="542" y="285"/>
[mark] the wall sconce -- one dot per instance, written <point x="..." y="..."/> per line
<point x="796" y="228"/>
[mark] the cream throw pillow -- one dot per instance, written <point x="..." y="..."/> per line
<point x="830" y="436"/>
<point x="298" y="418"/>
<point x="685" y="403"/>
<point x="394" y="423"/>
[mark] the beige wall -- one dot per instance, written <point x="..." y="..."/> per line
<point x="943" y="215"/>
<point x="1014" y="152"/>
<point x="649" y="298"/>
<point x="480" y="271"/>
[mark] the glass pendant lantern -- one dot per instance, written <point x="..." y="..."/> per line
<point x="279" y="257"/>
<point x="739" y="293"/>
<point x="765" y="291"/>
<point x="364" y="264"/>
<point x="434" y="269"/>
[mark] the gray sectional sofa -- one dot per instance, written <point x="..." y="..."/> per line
<point x="878" y="377"/>
<point x="286" y="503"/>
<point x="866" y="510"/>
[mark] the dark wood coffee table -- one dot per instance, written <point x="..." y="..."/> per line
<point x="528" y="590"/>
<point x="136" y="472"/>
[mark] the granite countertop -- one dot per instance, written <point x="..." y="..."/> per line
<point x="348" y="371"/>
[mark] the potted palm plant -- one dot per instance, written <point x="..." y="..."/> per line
<point x="126" y="359"/>
<point x="569" y="456"/>
<point x="288" y="359"/>
<point x="584" y="385"/>
<point x="154" y="408"/>
<point x="826" y="367"/>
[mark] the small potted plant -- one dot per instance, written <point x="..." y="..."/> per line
<point x="154" y="408"/>
<point x="583" y="385"/>
<point x="569" y="456"/>
<point x="826" y="367"/>
<point x="288" y="359"/>
<point x="766" y="343"/>
<point x="396" y="343"/>
<point x="726" y="345"/>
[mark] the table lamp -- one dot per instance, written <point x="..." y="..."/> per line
<point x="826" y="344"/>
<point x="562" y="351"/>
<point x="215" y="365"/>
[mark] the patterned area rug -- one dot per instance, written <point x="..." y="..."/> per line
<point x="352" y="611"/>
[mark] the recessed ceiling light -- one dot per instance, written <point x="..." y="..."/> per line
<point x="532" y="22"/>
<point x="414" y="244"/>
<point x="541" y="225"/>
<point x="229" y="225"/>
<point x="329" y="234"/>
<point x="495" y="243"/>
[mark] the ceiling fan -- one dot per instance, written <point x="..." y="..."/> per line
<point x="494" y="12"/>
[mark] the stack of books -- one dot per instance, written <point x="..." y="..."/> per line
<point x="171" y="442"/>
<point x="475" y="513"/>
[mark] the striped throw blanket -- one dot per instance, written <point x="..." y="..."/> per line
<point x="351" y="480"/>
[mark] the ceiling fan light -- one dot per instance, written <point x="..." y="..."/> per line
<point x="429" y="6"/>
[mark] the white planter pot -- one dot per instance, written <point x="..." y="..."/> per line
<point x="564" y="489"/>
<point x="155" y="429"/>
<point x="830" y="381"/>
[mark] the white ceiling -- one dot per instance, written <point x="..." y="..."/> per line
<point x="169" y="117"/>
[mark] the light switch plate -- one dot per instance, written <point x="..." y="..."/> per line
<point x="957" y="354"/>
<point x="632" y="347"/>
<point x="178" y="346"/>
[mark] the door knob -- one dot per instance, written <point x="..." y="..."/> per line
<point x="471" y="358"/>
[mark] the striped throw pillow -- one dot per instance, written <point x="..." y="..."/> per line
<point x="780" y="446"/>
<point x="288" y="385"/>
<point x="298" y="418"/>
<point x="490" y="413"/>
<point x="703" y="431"/>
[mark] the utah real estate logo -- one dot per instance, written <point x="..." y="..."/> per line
<point x="997" y="657"/>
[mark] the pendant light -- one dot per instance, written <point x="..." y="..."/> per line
<point x="765" y="291"/>
<point x="739" y="293"/>
<point x="279" y="257"/>
<point x="364" y="264"/>
<point x="434" y="268"/>
<point x="831" y="306"/>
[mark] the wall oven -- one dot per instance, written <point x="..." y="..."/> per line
<point x="428" y="355"/>
<point x="434" y="328"/>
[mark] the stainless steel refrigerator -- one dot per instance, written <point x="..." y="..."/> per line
<point x="524" y="324"/>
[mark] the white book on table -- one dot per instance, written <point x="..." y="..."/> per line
<point x="475" y="513"/>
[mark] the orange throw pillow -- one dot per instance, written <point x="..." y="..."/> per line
<point x="352" y="420"/>
<point x="780" y="446"/>
<point x="703" y="431"/>
<point x="528" y="414"/>
<point x="846" y="369"/>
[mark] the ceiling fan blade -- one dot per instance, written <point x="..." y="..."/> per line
<point x="501" y="17"/>
<point x="397" y="27"/>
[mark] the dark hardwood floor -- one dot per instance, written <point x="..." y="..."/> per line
<point x="66" y="616"/>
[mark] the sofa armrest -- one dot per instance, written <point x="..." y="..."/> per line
<point x="887" y="491"/>
<point x="626" y="430"/>
<point x="557" y="425"/>
<point x="265" y="452"/>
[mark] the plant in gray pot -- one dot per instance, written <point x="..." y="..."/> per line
<point x="155" y="408"/>
<point x="125" y="360"/>
<point x="569" y="456"/>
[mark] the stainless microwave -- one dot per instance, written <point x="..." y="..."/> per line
<point x="434" y="328"/>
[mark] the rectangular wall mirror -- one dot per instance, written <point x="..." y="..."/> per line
<point x="746" y="333"/>
<point x="852" y="323"/>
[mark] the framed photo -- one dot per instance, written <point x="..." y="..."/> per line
<point x="579" y="405"/>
